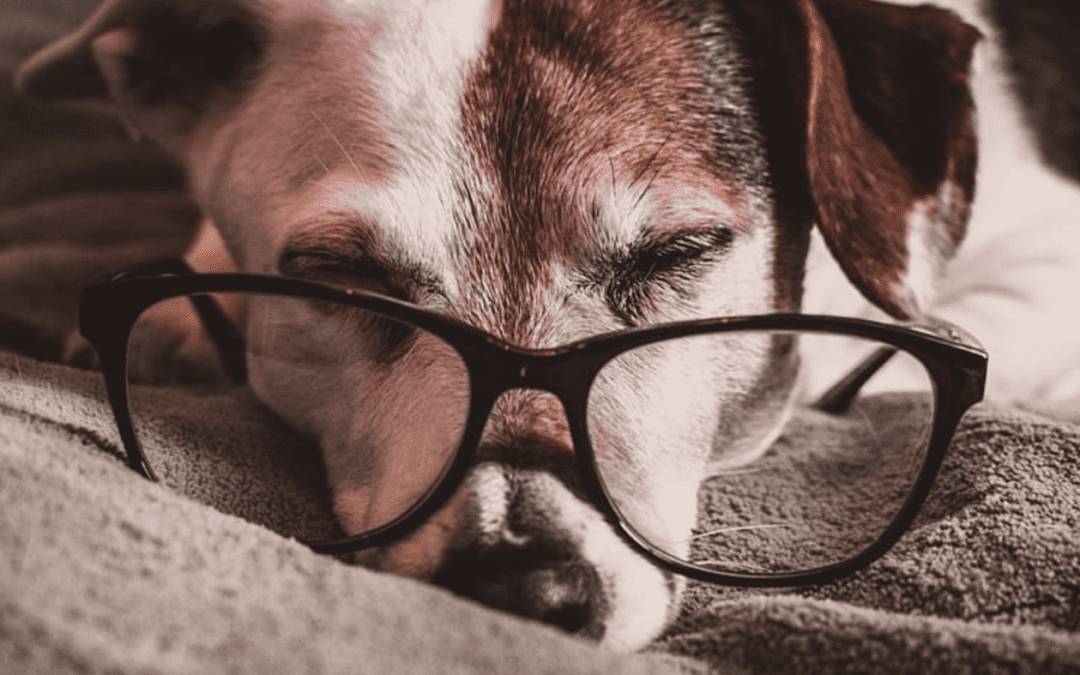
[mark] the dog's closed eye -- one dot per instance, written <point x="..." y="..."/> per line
<point x="630" y="277"/>
<point x="336" y="269"/>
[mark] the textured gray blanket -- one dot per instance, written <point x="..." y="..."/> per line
<point x="104" y="572"/>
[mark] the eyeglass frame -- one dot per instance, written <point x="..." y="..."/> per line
<point x="955" y="361"/>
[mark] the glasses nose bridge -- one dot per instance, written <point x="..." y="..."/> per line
<point x="565" y="375"/>
<point x="524" y="376"/>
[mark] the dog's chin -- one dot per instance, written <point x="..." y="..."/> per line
<point x="551" y="558"/>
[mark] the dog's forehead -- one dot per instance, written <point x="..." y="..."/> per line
<point x="369" y="94"/>
<point x="575" y="110"/>
<point x="577" y="93"/>
<point x="522" y="134"/>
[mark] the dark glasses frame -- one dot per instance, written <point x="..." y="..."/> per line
<point x="955" y="361"/>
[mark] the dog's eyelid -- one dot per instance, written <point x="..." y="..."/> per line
<point x="389" y="277"/>
<point x="316" y="263"/>
<point x="628" y="277"/>
<point x="689" y="243"/>
<point x="651" y="255"/>
<point x="349" y="250"/>
<point x="340" y="269"/>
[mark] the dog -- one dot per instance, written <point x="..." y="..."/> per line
<point x="548" y="170"/>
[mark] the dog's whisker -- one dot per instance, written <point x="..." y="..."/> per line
<point x="648" y="186"/>
<point x="746" y="567"/>
<point x="652" y="159"/>
<point x="729" y="530"/>
<point x="644" y="191"/>
<point x="611" y="164"/>
<point x="322" y="182"/>
<point x="337" y="141"/>
<point x="737" y="472"/>
<point x="330" y="190"/>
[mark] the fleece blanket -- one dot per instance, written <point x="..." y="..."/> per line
<point x="102" y="571"/>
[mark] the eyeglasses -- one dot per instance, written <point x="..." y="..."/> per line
<point x="809" y="478"/>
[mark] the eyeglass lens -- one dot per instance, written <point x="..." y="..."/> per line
<point x="332" y="390"/>
<point x="791" y="487"/>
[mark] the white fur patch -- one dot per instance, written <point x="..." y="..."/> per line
<point x="926" y="253"/>
<point x="488" y="484"/>
<point x="421" y="53"/>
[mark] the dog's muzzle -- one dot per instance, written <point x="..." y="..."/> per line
<point x="530" y="543"/>
<point x="521" y="548"/>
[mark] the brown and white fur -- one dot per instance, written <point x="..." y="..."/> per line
<point x="549" y="170"/>
<point x="1013" y="282"/>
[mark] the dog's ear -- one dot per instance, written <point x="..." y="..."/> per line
<point x="159" y="63"/>
<point x="869" y="124"/>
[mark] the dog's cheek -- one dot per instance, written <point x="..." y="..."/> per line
<point x="386" y="464"/>
<point x="283" y="374"/>
<point x="400" y="429"/>
<point x="744" y="283"/>
<point x="652" y="486"/>
<point x="655" y="416"/>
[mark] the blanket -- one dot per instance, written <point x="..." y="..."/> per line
<point x="103" y="571"/>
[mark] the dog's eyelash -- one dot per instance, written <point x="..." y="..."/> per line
<point x="629" y="279"/>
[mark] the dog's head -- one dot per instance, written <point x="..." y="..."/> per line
<point x="548" y="170"/>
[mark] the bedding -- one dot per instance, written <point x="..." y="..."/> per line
<point x="103" y="571"/>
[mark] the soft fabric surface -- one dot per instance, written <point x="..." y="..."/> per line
<point x="102" y="571"/>
<point x="987" y="580"/>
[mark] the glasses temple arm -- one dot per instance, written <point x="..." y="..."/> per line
<point x="229" y="342"/>
<point x="227" y="339"/>
<point x="838" y="398"/>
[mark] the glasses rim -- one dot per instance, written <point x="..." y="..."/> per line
<point x="954" y="360"/>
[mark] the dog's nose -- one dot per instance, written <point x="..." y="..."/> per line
<point x="531" y="542"/>
<point x="521" y="549"/>
<point x="544" y="584"/>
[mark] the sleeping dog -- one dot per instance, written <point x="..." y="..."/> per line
<point x="548" y="170"/>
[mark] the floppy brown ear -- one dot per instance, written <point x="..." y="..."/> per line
<point x="868" y="122"/>
<point x="159" y="63"/>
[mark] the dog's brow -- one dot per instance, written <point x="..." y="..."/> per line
<point x="352" y="248"/>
